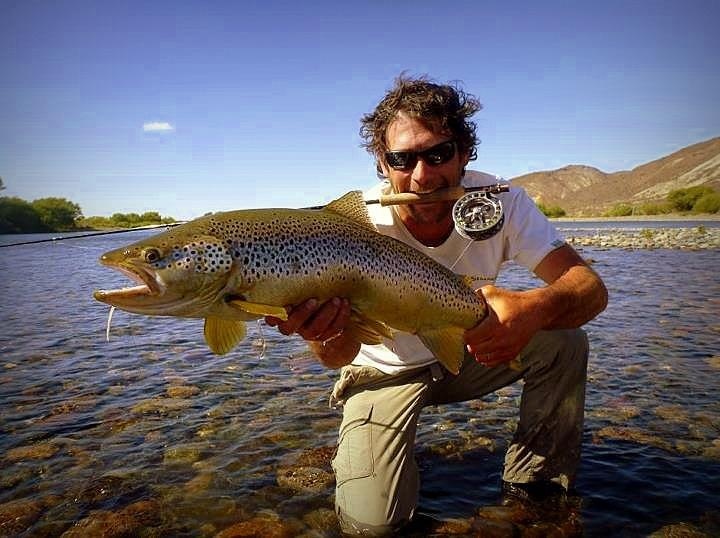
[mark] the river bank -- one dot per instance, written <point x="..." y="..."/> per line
<point x="696" y="238"/>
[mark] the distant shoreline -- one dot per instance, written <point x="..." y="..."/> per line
<point x="648" y="218"/>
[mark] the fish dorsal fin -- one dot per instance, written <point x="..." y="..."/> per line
<point x="222" y="335"/>
<point x="352" y="206"/>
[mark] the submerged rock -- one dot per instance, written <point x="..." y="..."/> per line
<point x="39" y="451"/>
<point x="16" y="516"/>
<point x="263" y="526"/>
<point x="126" y="522"/>
<point x="679" y="530"/>
<point x="305" y="479"/>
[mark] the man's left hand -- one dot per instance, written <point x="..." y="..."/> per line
<point x="506" y="330"/>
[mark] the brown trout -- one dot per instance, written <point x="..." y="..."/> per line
<point x="237" y="266"/>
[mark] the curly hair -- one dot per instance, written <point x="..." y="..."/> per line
<point x="440" y="107"/>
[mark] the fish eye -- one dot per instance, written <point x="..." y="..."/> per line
<point x="151" y="255"/>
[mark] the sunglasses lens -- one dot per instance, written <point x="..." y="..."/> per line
<point x="440" y="154"/>
<point x="399" y="160"/>
<point x="404" y="160"/>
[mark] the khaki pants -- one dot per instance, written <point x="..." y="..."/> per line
<point x="377" y="477"/>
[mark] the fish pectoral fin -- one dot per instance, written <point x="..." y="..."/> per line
<point x="367" y="331"/>
<point x="222" y="335"/>
<point x="260" y="309"/>
<point x="448" y="346"/>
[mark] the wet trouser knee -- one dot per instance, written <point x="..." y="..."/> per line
<point x="377" y="477"/>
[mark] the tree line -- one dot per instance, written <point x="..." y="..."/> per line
<point x="694" y="200"/>
<point x="54" y="214"/>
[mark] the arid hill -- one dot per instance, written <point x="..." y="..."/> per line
<point x="587" y="191"/>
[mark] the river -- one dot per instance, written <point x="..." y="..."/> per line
<point x="150" y="431"/>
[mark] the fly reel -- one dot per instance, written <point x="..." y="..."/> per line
<point x="479" y="215"/>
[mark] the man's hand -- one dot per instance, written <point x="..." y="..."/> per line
<point x="510" y="324"/>
<point x="314" y="320"/>
<point x="322" y="325"/>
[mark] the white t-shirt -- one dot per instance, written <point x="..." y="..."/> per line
<point x="525" y="237"/>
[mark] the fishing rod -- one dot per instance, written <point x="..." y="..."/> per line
<point x="476" y="211"/>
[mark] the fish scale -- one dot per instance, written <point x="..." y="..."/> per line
<point x="235" y="266"/>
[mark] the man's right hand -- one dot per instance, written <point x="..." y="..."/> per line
<point x="322" y="325"/>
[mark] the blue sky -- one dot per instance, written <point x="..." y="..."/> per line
<point x="257" y="104"/>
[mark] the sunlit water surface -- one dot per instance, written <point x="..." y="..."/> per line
<point x="88" y="424"/>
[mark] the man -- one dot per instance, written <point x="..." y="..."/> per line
<point x="422" y="139"/>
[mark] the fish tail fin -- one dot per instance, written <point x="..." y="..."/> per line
<point x="448" y="346"/>
<point x="222" y="335"/>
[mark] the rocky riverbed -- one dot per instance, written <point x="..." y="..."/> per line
<point x="696" y="238"/>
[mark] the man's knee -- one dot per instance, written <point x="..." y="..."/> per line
<point x="565" y="346"/>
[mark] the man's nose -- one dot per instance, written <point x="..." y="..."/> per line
<point x="422" y="175"/>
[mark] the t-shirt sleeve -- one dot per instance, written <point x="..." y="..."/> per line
<point x="529" y="235"/>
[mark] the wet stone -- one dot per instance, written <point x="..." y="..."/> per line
<point x="305" y="479"/>
<point x="182" y="391"/>
<point x="261" y="526"/>
<point x="182" y="454"/>
<point x="126" y="522"/>
<point x="162" y="406"/>
<point x="316" y="457"/>
<point x="16" y="516"/>
<point x="712" y="451"/>
<point x="105" y="488"/>
<point x="39" y="451"/>
<point x="679" y="530"/>
<point x="322" y="519"/>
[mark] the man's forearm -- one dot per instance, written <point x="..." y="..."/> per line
<point x="575" y="298"/>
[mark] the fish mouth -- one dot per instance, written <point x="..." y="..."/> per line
<point x="147" y="285"/>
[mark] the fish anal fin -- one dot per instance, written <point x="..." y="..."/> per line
<point x="352" y="206"/>
<point x="447" y="345"/>
<point x="258" y="309"/>
<point x="367" y="331"/>
<point x="222" y="335"/>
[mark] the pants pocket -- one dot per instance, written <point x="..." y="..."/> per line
<point x="354" y="457"/>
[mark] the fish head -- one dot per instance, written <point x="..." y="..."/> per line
<point x="181" y="272"/>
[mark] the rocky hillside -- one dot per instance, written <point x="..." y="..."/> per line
<point x="587" y="191"/>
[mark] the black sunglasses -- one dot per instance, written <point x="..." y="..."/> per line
<point x="434" y="156"/>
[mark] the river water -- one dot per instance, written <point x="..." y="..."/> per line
<point x="151" y="431"/>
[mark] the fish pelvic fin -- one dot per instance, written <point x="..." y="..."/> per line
<point x="222" y="335"/>
<point x="352" y="206"/>
<point x="258" y="309"/>
<point x="448" y="346"/>
<point x="367" y="331"/>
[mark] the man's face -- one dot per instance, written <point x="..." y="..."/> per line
<point x="408" y="134"/>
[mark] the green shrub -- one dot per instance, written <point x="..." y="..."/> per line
<point x="619" y="210"/>
<point x="653" y="208"/>
<point x="684" y="199"/>
<point x="552" y="211"/>
<point x="708" y="203"/>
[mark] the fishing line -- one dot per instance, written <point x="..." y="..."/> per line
<point x="477" y="213"/>
<point x="91" y="234"/>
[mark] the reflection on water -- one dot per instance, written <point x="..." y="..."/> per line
<point x="150" y="431"/>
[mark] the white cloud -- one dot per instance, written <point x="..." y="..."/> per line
<point x="155" y="126"/>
